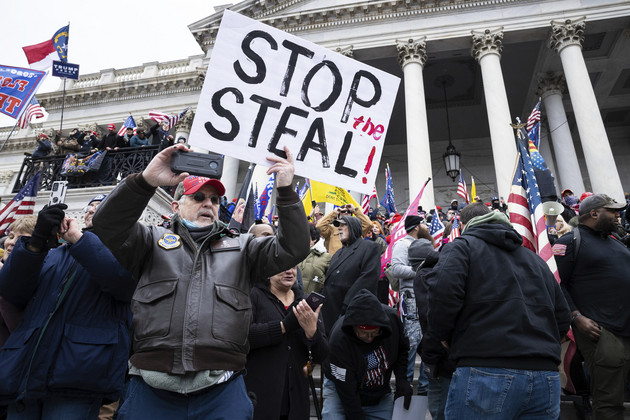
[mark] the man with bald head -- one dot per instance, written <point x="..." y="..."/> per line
<point x="191" y="308"/>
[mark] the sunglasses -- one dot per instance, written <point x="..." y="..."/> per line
<point x="201" y="197"/>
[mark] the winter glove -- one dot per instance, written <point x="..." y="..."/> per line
<point x="290" y="321"/>
<point x="404" y="389"/>
<point x="48" y="221"/>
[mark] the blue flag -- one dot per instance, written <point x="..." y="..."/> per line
<point x="388" y="200"/>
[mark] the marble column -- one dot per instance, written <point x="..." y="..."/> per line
<point x="566" y="40"/>
<point x="486" y="49"/>
<point x="412" y="54"/>
<point x="182" y="128"/>
<point x="230" y="176"/>
<point x="545" y="150"/>
<point x="550" y="89"/>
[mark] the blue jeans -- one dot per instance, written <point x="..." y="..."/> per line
<point x="221" y="402"/>
<point x="56" y="408"/>
<point x="495" y="393"/>
<point x="413" y="331"/>
<point x="333" y="409"/>
<point x="437" y="396"/>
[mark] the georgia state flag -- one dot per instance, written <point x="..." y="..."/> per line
<point x="41" y="56"/>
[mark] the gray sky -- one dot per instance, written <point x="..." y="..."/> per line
<point x="103" y="34"/>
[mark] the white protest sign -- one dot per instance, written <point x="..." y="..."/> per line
<point x="265" y="89"/>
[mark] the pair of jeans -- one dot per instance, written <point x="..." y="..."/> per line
<point x="608" y="362"/>
<point x="55" y="408"/>
<point x="413" y="332"/>
<point x="437" y="396"/>
<point x="333" y="409"/>
<point x="496" y="394"/>
<point x="225" y="401"/>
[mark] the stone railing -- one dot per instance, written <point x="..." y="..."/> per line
<point x="115" y="167"/>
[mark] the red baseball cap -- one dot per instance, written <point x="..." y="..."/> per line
<point x="367" y="327"/>
<point x="193" y="183"/>
<point x="111" y="127"/>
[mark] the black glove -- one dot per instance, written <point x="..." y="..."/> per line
<point x="48" y="221"/>
<point x="404" y="389"/>
<point x="290" y="321"/>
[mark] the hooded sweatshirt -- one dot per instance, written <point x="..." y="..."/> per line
<point x="362" y="371"/>
<point x="356" y="266"/>
<point x="496" y="302"/>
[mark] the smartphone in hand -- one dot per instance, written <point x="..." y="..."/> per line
<point x="314" y="299"/>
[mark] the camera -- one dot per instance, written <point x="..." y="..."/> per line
<point x="58" y="192"/>
<point x="201" y="164"/>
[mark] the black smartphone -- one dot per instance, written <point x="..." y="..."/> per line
<point x="201" y="164"/>
<point x="314" y="299"/>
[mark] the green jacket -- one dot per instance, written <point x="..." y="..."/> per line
<point x="315" y="265"/>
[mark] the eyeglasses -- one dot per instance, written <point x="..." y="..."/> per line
<point x="200" y="197"/>
<point x="367" y="334"/>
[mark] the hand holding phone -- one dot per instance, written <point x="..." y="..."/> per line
<point x="314" y="299"/>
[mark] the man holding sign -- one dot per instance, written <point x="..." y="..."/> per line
<point x="191" y="309"/>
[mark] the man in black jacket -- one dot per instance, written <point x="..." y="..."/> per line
<point x="500" y="311"/>
<point x="354" y="267"/>
<point x="595" y="273"/>
<point x="367" y="344"/>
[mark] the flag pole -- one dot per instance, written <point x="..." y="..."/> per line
<point x="9" y="136"/>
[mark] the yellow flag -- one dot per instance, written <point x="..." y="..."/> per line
<point x="325" y="193"/>
<point x="473" y="191"/>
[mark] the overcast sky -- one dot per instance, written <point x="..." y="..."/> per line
<point x="103" y="34"/>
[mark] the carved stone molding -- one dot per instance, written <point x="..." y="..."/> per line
<point x="487" y="42"/>
<point x="567" y="32"/>
<point x="347" y="51"/>
<point x="6" y="176"/>
<point x="411" y="51"/>
<point x="185" y="123"/>
<point x="359" y="13"/>
<point x="551" y="84"/>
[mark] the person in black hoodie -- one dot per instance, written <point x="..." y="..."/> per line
<point x="367" y="344"/>
<point x="500" y="311"/>
<point x="356" y="266"/>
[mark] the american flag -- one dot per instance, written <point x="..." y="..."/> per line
<point x="365" y="204"/>
<point x="158" y="117"/>
<point x="436" y="229"/>
<point x="454" y="230"/>
<point x="462" y="191"/>
<point x="265" y="198"/>
<point x="533" y="125"/>
<point x="22" y="204"/>
<point x="376" y="364"/>
<point x="526" y="213"/>
<point x="129" y="123"/>
<point x="33" y="110"/>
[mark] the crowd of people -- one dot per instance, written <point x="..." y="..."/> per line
<point x="191" y="319"/>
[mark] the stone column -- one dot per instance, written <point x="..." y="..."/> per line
<point x="411" y="56"/>
<point x="550" y="89"/>
<point x="230" y="176"/>
<point x="566" y="40"/>
<point x="545" y="150"/>
<point x="182" y="128"/>
<point x="486" y="49"/>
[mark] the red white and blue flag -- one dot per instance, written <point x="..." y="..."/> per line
<point x="159" y="117"/>
<point x="41" y="56"/>
<point x="526" y="212"/>
<point x="34" y="110"/>
<point x="533" y="125"/>
<point x="454" y="230"/>
<point x="436" y="230"/>
<point x="129" y="123"/>
<point x="22" y="204"/>
<point x="365" y="203"/>
<point x="462" y="191"/>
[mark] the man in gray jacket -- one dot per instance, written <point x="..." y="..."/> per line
<point x="401" y="269"/>
<point x="191" y="309"/>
